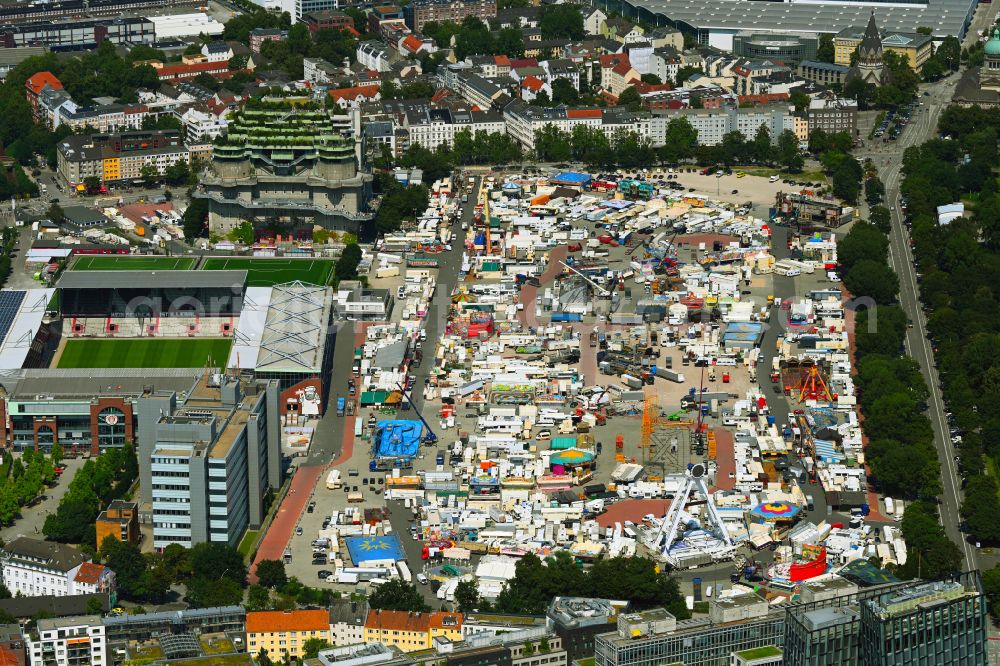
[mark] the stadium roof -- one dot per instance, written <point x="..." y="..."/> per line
<point x="283" y="331"/>
<point x="943" y="17"/>
<point x="151" y="279"/>
<point x="21" y="314"/>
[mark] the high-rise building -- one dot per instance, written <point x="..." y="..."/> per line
<point x="206" y="463"/>
<point x="289" y="161"/>
<point x="943" y="622"/>
<point x="822" y="637"/>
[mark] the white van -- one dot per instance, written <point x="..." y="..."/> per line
<point x="773" y="179"/>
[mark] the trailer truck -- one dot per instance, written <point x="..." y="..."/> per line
<point x="669" y="375"/>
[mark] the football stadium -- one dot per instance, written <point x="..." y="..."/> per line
<point x="131" y="263"/>
<point x="165" y="316"/>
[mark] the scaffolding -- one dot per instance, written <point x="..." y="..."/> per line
<point x="663" y="437"/>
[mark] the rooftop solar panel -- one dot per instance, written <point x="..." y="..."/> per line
<point x="10" y="303"/>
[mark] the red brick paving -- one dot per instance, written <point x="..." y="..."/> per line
<point x="725" y="459"/>
<point x="278" y="535"/>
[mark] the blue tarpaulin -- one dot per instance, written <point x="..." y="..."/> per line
<point x="571" y="178"/>
<point x="398" y="438"/>
<point x="367" y="549"/>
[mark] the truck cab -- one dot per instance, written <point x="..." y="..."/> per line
<point x="341" y="404"/>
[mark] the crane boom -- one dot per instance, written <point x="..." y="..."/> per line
<point x="599" y="288"/>
<point x="430" y="438"/>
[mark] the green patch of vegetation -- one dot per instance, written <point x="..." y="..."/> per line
<point x="760" y="652"/>
<point x="266" y="272"/>
<point x="130" y="263"/>
<point x="144" y="353"/>
<point x="247" y="543"/>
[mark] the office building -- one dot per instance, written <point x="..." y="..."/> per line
<point x="421" y="12"/>
<point x="78" y="34"/>
<point x="283" y="634"/>
<point x="913" y="46"/>
<point x="833" y="114"/>
<point x="327" y="19"/>
<point x="119" y="521"/>
<point x="577" y="620"/>
<point x="35" y="568"/>
<point x="943" y="622"/>
<point x="822" y="637"/>
<point x="788" y="49"/>
<point x="289" y="162"/>
<point x="823" y="73"/>
<point x="206" y="462"/>
<point x="69" y="641"/>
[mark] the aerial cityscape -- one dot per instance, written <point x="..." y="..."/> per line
<point x="499" y="333"/>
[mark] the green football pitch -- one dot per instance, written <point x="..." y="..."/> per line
<point x="145" y="353"/>
<point x="132" y="263"/>
<point x="266" y="272"/>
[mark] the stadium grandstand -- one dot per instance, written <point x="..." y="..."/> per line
<point x="151" y="303"/>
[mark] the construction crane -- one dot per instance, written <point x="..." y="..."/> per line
<point x="601" y="290"/>
<point x="430" y="437"/>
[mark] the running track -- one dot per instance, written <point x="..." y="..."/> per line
<point x="279" y="534"/>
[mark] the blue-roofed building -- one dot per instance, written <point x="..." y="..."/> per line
<point x="742" y="335"/>
<point x="571" y="179"/>
<point x="372" y="549"/>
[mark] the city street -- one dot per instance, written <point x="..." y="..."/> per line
<point x="888" y="160"/>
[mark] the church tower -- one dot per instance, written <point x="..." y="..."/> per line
<point x="870" y="66"/>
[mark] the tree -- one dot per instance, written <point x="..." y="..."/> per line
<point x="981" y="507"/>
<point x="398" y="595"/>
<point x="243" y="233"/>
<point x="685" y="73"/>
<point x="788" y="154"/>
<point x="55" y="213"/>
<point x="204" y="592"/>
<point x="847" y="179"/>
<point x="826" y="51"/>
<point x="215" y="560"/>
<point x="556" y="21"/>
<point x="651" y="79"/>
<point x="129" y="565"/>
<point x="630" y="99"/>
<point x="467" y="595"/>
<point x="149" y="172"/>
<point x="346" y="267"/>
<point x="194" y="219"/>
<point x="800" y="101"/>
<point x="263" y="659"/>
<point x="552" y="144"/>
<point x="762" y="149"/>
<point x="949" y="52"/>
<point x="94" y="606"/>
<point x="991" y="588"/>
<point x="312" y="647"/>
<point x="91" y="183"/>
<point x="875" y="279"/>
<point x="681" y="140"/>
<point x="258" y="598"/>
<point x="880" y="218"/>
<point x="56" y="453"/>
<point x="271" y="573"/>
<point x="563" y="92"/>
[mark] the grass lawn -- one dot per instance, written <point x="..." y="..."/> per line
<point x="247" y="542"/>
<point x="145" y="353"/>
<point x="760" y="653"/>
<point x="266" y="272"/>
<point x="802" y="176"/>
<point x="130" y="263"/>
<point x="216" y="644"/>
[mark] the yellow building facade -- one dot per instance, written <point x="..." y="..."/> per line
<point x="411" y="632"/>
<point x="284" y="633"/>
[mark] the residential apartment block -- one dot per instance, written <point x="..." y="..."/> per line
<point x="114" y="158"/>
<point x="34" y="568"/>
<point x="833" y="115"/>
<point x="421" y="12"/>
<point x="433" y="127"/>
<point x="713" y="124"/>
<point x="70" y="641"/>
<point x="283" y="634"/>
<point x="410" y="631"/>
<point x="207" y="461"/>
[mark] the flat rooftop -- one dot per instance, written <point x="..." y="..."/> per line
<point x="152" y="279"/>
<point x="943" y="17"/>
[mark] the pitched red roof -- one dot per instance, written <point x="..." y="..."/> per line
<point x="524" y="62"/>
<point x="171" y="71"/>
<point x="532" y="83"/>
<point x="37" y="82"/>
<point x="612" y="59"/>
<point x="89" y="573"/>
<point x="622" y="68"/>
<point x="352" y="94"/>
<point x="259" y="622"/>
<point x="412" y="43"/>
<point x="583" y="113"/>
<point x="501" y="60"/>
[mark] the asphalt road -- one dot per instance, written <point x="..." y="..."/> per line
<point x="888" y="159"/>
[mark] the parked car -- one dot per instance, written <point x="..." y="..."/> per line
<point x="298" y="531"/>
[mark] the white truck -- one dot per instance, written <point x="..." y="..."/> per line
<point x="404" y="572"/>
<point x="890" y="508"/>
<point x="333" y="480"/>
